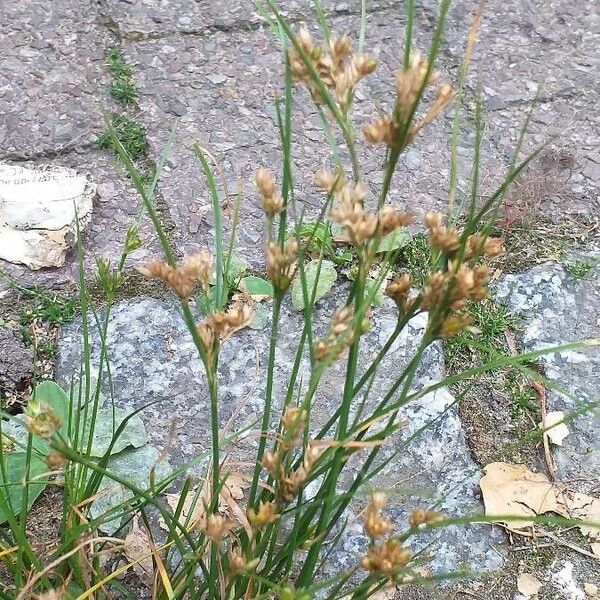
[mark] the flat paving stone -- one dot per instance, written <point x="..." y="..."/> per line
<point x="219" y="91"/>
<point x="557" y="309"/>
<point x="153" y="360"/>
<point x="116" y="206"/>
<point x="51" y="76"/>
<point x="547" y="53"/>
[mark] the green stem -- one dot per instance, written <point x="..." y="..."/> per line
<point x="268" y="397"/>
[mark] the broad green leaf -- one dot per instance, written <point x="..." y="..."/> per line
<point x="133" y="466"/>
<point x="327" y="277"/>
<point x="261" y="318"/>
<point x="105" y="426"/>
<point x="395" y="240"/>
<point x="257" y="287"/>
<point x="12" y="488"/>
<point x="56" y="398"/>
<point x="15" y="435"/>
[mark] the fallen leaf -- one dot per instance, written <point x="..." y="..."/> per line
<point x="138" y="551"/>
<point x="596" y="549"/>
<point x="528" y="585"/>
<point x="514" y="490"/>
<point x="555" y="427"/>
<point x="591" y="590"/>
<point x="194" y="504"/>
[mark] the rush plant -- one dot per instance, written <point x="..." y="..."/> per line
<point x="300" y="482"/>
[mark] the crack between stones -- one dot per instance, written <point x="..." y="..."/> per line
<point x="241" y="25"/>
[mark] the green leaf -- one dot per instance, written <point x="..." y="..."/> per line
<point x="327" y="277"/>
<point x="134" y="433"/>
<point x="261" y="318"/>
<point x="395" y="240"/>
<point x="135" y="467"/>
<point x="12" y="488"/>
<point x="258" y="288"/>
<point x="56" y="398"/>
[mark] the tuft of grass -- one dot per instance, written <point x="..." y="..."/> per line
<point x="490" y="321"/>
<point x="131" y="135"/>
<point x="116" y="64"/>
<point x="52" y="309"/>
<point x="580" y="269"/>
<point x="124" y="91"/>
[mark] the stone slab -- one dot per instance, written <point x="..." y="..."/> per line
<point x="557" y="309"/>
<point x="153" y="360"/>
<point x="51" y="76"/>
<point x="547" y="53"/>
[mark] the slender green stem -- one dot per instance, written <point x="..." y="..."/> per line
<point x="268" y="397"/>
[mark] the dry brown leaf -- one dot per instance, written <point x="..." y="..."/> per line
<point x="596" y="549"/>
<point x="582" y="506"/>
<point x="514" y="490"/>
<point x="591" y="590"/>
<point x="528" y="585"/>
<point x="137" y="549"/>
<point x="555" y="427"/>
<point x="231" y="491"/>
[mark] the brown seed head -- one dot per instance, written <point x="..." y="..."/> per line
<point x="386" y="559"/>
<point x="424" y="517"/>
<point x="281" y="263"/>
<point x="266" y="513"/>
<point x="216" y="527"/>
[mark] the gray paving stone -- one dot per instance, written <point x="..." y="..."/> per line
<point x="51" y="76"/>
<point x="219" y="90"/>
<point x="153" y="360"/>
<point x="558" y="309"/>
<point x="546" y="50"/>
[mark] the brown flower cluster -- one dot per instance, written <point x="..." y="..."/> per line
<point x="409" y="84"/>
<point x="289" y="481"/>
<point x="339" y="68"/>
<point x="420" y="518"/>
<point x="389" y="556"/>
<point x="360" y="225"/>
<point x="399" y="291"/>
<point x="272" y="202"/>
<point x="183" y="277"/>
<point x="222" y="324"/>
<point x="374" y="523"/>
<point x="40" y="420"/>
<point x="339" y="336"/>
<point x="281" y="264"/>
<point x="386" y="558"/>
<point x="447" y="239"/>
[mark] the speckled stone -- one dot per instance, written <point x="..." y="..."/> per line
<point x="224" y="87"/>
<point x="153" y="360"/>
<point x="51" y="74"/>
<point x="557" y="309"/>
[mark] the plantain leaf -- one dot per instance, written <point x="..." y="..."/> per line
<point x="395" y="240"/>
<point x="327" y="276"/>
<point x="257" y="287"/>
<point x="11" y="489"/>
